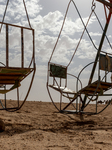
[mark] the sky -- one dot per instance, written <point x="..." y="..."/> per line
<point x="46" y="17"/>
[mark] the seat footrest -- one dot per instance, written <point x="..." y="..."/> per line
<point x="63" y="89"/>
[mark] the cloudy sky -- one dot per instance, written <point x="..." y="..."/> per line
<point x="46" y="17"/>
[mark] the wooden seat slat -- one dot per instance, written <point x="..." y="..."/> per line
<point x="92" y="87"/>
<point x="10" y="75"/>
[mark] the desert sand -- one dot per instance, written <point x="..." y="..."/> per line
<point x="38" y="126"/>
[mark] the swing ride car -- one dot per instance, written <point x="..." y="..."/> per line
<point x="57" y="76"/>
<point x="11" y="76"/>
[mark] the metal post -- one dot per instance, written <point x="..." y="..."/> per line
<point x="5" y="97"/>
<point x="22" y="49"/>
<point x="18" y="96"/>
<point x="7" y="47"/>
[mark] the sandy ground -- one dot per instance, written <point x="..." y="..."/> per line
<point x="38" y="126"/>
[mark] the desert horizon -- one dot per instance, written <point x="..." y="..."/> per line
<point x="39" y="126"/>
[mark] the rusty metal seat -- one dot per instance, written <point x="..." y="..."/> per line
<point x="12" y="76"/>
<point x="99" y="87"/>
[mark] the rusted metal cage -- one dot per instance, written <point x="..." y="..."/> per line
<point x="11" y="76"/>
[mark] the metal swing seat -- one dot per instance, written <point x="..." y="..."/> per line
<point x="80" y="99"/>
<point x="11" y="77"/>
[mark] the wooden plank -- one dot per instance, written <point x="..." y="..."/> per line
<point x="106" y="83"/>
<point x="91" y="88"/>
<point x="7" y="82"/>
<point x="16" y="68"/>
<point x="9" y="77"/>
<point x="11" y="74"/>
<point x="100" y="86"/>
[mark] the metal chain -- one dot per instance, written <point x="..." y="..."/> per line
<point x="93" y="5"/>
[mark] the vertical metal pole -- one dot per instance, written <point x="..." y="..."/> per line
<point x="22" y="49"/>
<point x="60" y="96"/>
<point x="7" y="47"/>
<point x="60" y="100"/>
<point x="18" y="96"/>
<point x="34" y="47"/>
<point x="96" y="106"/>
<point x="5" y="97"/>
<point x="97" y="56"/>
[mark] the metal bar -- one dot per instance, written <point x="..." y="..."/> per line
<point x="18" y="96"/>
<point x="60" y="96"/>
<point x="105" y="3"/>
<point x="16" y="25"/>
<point x="106" y="95"/>
<point x="71" y="101"/>
<point x="33" y="32"/>
<point x="60" y="100"/>
<point x="33" y="55"/>
<point x="28" y="89"/>
<point x="22" y="49"/>
<point x="7" y="47"/>
<point x="9" y="108"/>
<point x="106" y="53"/>
<point x="26" y="13"/>
<point x="96" y="106"/>
<point x="5" y="97"/>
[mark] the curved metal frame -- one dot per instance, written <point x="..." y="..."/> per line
<point x="32" y="62"/>
<point x="90" y="99"/>
<point x="61" y="92"/>
<point x="79" y="92"/>
<point x="19" y="107"/>
<point x="32" y="70"/>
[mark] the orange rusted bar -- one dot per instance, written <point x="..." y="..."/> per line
<point x="105" y="3"/>
<point x="16" y="26"/>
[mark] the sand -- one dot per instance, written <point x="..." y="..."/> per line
<point x="38" y="126"/>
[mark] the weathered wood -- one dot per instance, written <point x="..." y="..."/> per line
<point x="90" y="89"/>
<point x="9" y="76"/>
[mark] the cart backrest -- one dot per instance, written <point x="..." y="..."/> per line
<point x="58" y="71"/>
<point x="105" y="63"/>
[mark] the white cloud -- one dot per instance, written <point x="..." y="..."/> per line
<point x="95" y="34"/>
<point x="47" y="28"/>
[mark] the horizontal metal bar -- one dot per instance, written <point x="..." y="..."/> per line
<point x="16" y="26"/>
<point x="106" y="53"/>
<point x="106" y="95"/>
<point x="9" y="108"/>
